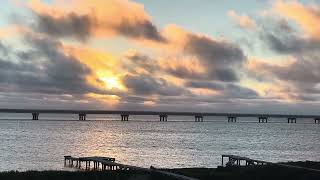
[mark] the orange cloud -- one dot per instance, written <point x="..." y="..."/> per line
<point x="183" y="64"/>
<point x="100" y="18"/>
<point x="106" y="68"/>
<point x="111" y="100"/>
<point x="273" y="88"/>
<point x="12" y="30"/>
<point x="307" y="17"/>
<point x="243" y="21"/>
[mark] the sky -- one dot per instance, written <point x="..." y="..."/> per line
<point x="207" y="56"/>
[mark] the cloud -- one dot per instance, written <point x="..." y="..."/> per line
<point x="51" y="72"/>
<point x="70" y="25"/>
<point x="306" y="16"/>
<point x="295" y="80"/>
<point x="146" y="85"/>
<point x="242" y="21"/>
<point x="109" y="18"/>
<point x="220" y="58"/>
<point x="289" y="32"/>
<point x="282" y="38"/>
<point x="230" y="91"/>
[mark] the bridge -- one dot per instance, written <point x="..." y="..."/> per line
<point x="232" y="117"/>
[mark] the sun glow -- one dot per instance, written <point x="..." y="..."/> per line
<point x="112" y="83"/>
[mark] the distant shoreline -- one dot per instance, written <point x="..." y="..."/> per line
<point x="249" y="172"/>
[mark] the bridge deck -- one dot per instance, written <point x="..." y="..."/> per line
<point x="51" y="111"/>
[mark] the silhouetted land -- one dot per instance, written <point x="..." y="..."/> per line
<point x="267" y="172"/>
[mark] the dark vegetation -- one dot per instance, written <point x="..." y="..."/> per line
<point x="269" y="172"/>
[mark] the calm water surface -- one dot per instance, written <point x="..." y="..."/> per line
<point x="144" y="141"/>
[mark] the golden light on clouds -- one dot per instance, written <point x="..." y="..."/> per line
<point x="112" y="82"/>
<point x="106" y="69"/>
<point x="112" y="100"/>
<point x="307" y="17"/>
<point x="105" y="16"/>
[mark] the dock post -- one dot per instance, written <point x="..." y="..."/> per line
<point x="35" y="116"/>
<point x="222" y="160"/>
<point x="317" y="120"/>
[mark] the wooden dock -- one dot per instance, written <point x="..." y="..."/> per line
<point x="107" y="163"/>
<point x="234" y="160"/>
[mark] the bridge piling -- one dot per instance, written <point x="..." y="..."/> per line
<point x="232" y="119"/>
<point x="82" y="117"/>
<point x="163" y="117"/>
<point x="263" y="119"/>
<point x="292" y="120"/>
<point x="35" y="116"/>
<point x="198" y="118"/>
<point x="124" y="117"/>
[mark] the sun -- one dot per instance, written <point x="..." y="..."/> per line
<point x="112" y="83"/>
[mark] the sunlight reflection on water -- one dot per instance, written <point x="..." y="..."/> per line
<point x="144" y="141"/>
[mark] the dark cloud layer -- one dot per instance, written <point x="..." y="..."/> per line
<point x="50" y="72"/>
<point x="289" y="43"/>
<point x="301" y="77"/>
<point x="140" y="30"/>
<point x="282" y="38"/>
<point x="146" y="85"/>
<point x="71" y="25"/>
<point x="82" y="27"/>
<point x="221" y="59"/>
<point x="227" y="90"/>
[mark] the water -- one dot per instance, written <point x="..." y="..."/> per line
<point x="144" y="141"/>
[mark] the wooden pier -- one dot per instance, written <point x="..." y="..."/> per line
<point x="234" y="160"/>
<point x="107" y="163"/>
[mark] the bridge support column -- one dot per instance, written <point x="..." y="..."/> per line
<point x="124" y="117"/>
<point x="292" y="120"/>
<point x="35" y="116"/>
<point x="317" y="120"/>
<point x="82" y="117"/>
<point x="163" y="117"/>
<point x="198" y="118"/>
<point x="232" y="119"/>
<point x="263" y="119"/>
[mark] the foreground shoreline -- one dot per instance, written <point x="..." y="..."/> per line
<point x="249" y="172"/>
